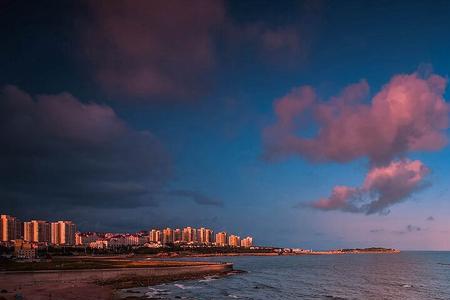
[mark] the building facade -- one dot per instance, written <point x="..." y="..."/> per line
<point x="167" y="236"/>
<point x="221" y="239"/>
<point x="63" y="233"/>
<point x="155" y="236"/>
<point x="37" y="231"/>
<point x="234" y="241"/>
<point x="247" y="242"/>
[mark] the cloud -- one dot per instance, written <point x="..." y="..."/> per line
<point x="409" y="113"/>
<point x="430" y="218"/>
<point x="274" y="45"/>
<point x="412" y="228"/>
<point x="197" y="197"/>
<point x="383" y="187"/>
<point x="59" y="153"/>
<point x="285" y="44"/>
<point x="409" y="229"/>
<point x="152" y="48"/>
<point x="377" y="230"/>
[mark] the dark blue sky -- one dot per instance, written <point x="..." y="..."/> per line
<point x="169" y="106"/>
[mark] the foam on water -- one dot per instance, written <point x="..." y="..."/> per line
<point x="371" y="276"/>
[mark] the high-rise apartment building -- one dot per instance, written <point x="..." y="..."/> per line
<point x="63" y="233"/>
<point x="10" y="228"/>
<point x="78" y="239"/>
<point x="209" y="236"/>
<point x="221" y="239"/>
<point x="155" y="236"/>
<point x="194" y="235"/>
<point x="167" y="236"/>
<point x="37" y="231"/>
<point x="204" y="235"/>
<point x="177" y="235"/>
<point x="189" y="235"/>
<point x="234" y="241"/>
<point x="247" y="242"/>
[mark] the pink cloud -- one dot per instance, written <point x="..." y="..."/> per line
<point x="383" y="187"/>
<point x="337" y="200"/>
<point x="152" y="48"/>
<point x="408" y="114"/>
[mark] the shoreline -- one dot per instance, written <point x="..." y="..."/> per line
<point x="174" y="255"/>
<point x="93" y="284"/>
<point x="127" y="280"/>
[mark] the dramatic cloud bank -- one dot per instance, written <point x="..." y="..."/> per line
<point x="382" y="188"/>
<point x="197" y="197"/>
<point x="60" y="153"/>
<point x="408" y="114"/>
<point x="153" y="48"/>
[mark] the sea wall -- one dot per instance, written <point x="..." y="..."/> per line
<point x="92" y="275"/>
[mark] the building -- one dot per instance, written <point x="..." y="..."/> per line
<point x="247" y="242"/>
<point x="78" y="239"/>
<point x="143" y="239"/>
<point x="10" y="228"/>
<point x="209" y="239"/>
<point x="234" y="241"/>
<point x="189" y="235"/>
<point x="99" y="244"/>
<point x="167" y="236"/>
<point x="221" y="239"/>
<point x="155" y="236"/>
<point x="201" y="235"/>
<point x="63" y="233"/>
<point x="24" y="250"/>
<point x="37" y="231"/>
<point x="177" y="235"/>
<point x="123" y="240"/>
<point x="88" y="237"/>
<point x="204" y="235"/>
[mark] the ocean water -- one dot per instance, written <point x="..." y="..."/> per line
<point x="407" y="275"/>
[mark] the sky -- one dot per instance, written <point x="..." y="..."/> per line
<point x="313" y="124"/>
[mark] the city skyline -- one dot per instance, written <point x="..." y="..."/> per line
<point x="317" y="124"/>
<point x="66" y="233"/>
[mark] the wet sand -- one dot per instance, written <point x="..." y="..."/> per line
<point x="98" y="283"/>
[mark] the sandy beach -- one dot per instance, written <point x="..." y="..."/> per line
<point x="89" y="284"/>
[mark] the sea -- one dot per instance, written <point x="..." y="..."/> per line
<point x="407" y="275"/>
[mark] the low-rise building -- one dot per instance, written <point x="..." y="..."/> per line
<point x="123" y="240"/>
<point x="99" y="244"/>
<point x="24" y="249"/>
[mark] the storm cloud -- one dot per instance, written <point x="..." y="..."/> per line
<point x="60" y="153"/>
<point x="197" y="197"/>
<point x="152" y="48"/>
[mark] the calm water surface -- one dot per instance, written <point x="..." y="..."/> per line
<point x="408" y="275"/>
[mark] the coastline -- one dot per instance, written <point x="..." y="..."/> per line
<point x="93" y="284"/>
<point x="119" y="277"/>
<point x="174" y="255"/>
